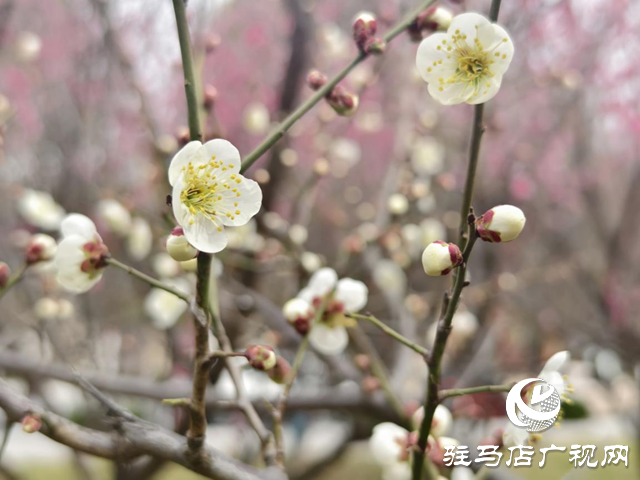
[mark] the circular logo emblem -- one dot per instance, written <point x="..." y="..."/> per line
<point x="542" y="409"/>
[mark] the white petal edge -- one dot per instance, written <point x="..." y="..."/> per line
<point x="328" y="340"/>
<point x="181" y="159"/>
<point x="352" y="293"/>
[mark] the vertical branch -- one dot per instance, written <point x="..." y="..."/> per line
<point x="197" y="406"/>
<point x="466" y="241"/>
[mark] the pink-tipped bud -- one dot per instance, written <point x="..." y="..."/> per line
<point x="362" y="361"/>
<point x="210" y="97"/>
<point x="501" y="224"/>
<point x="343" y="103"/>
<point x="365" y="26"/>
<point x="179" y="247"/>
<point x="429" y="21"/>
<point x="439" y="258"/>
<point x="316" y="80"/>
<point x="261" y="357"/>
<point x="41" y="248"/>
<point x="182" y="135"/>
<point x="375" y="46"/>
<point x="281" y="372"/>
<point x="31" y="423"/>
<point x="299" y="313"/>
<point x="370" y="384"/>
<point x="5" y="274"/>
<point x="211" y="43"/>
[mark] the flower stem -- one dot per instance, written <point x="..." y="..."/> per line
<point x="198" y="418"/>
<point x="190" y="85"/>
<point x="288" y="122"/>
<point x="15" y="278"/>
<point x="392" y="333"/>
<point x="147" y="279"/>
<point x="450" y="305"/>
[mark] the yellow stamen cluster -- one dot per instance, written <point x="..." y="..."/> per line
<point x="209" y="191"/>
<point x="473" y="63"/>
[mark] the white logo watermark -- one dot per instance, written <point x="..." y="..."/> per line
<point x="542" y="411"/>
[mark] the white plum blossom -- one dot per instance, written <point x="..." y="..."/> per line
<point x="439" y="258"/>
<point x="329" y="334"/>
<point x="465" y="64"/>
<point x="115" y="215"/>
<point x="501" y="224"/>
<point x="209" y="193"/>
<point x="389" y="445"/>
<point x="40" y="209"/>
<point x="80" y="257"/>
<point x="553" y="373"/>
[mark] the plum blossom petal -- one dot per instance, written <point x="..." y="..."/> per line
<point x="352" y="293"/>
<point x="329" y="340"/>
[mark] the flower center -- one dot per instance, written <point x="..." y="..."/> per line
<point x="210" y="191"/>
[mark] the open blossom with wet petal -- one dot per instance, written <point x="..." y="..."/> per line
<point x="209" y="193"/>
<point x="467" y="63"/>
<point x="115" y="215"/>
<point x="40" y="209"/>
<point x="501" y="224"/>
<point x="80" y="255"/>
<point x="41" y="248"/>
<point x="329" y="334"/>
<point x="439" y="258"/>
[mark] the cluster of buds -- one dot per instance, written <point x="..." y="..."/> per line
<point x="264" y="358"/>
<point x="429" y="21"/>
<point x="343" y="102"/>
<point x="439" y="258"/>
<point x="5" y="274"/>
<point x="299" y="313"/>
<point x="41" y="248"/>
<point x="179" y="247"/>
<point x="500" y="224"/>
<point x="365" y="26"/>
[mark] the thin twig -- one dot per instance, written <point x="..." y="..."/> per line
<point x="288" y="122"/>
<point x="466" y="242"/>
<point x="14" y="279"/>
<point x="147" y="279"/>
<point x="392" y="333"/>
<point x="458" y="392"/>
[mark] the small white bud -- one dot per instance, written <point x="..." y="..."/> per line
<point x="439" y="258"/>
<point x="179" y="247"/>
<point x="398" y="204"/>
<point x="501" y="224"/>
<point x="442" y="17"/>
<point x="442" y="420"/>
<point x="41" y="248"/>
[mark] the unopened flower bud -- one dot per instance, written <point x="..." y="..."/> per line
<point x="41" y="248"/>
<point x="5" y="274"/>
<point x="343" y="102"/>
<point x="370" y="384"/>
<point x="179" y="247"/>
<point x="281" y="372"/>
<point x="375" y="46"/>
<point x="210" y="96"/>
<point x="501" y="224"/>
<point x="212" y="42"/>
<point x="429" y="21"/>
<point x="316" y="80"/>
<point x="261" y="357"/>
<point x="31" y="423"/>
<point x="439" y="258"/>
<point x="183" y="136"/>
<point x="299" y="313"/>
<point x="365" y="26"/>
<point x="440" y="424"/>
<point x="362" y="361"/>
